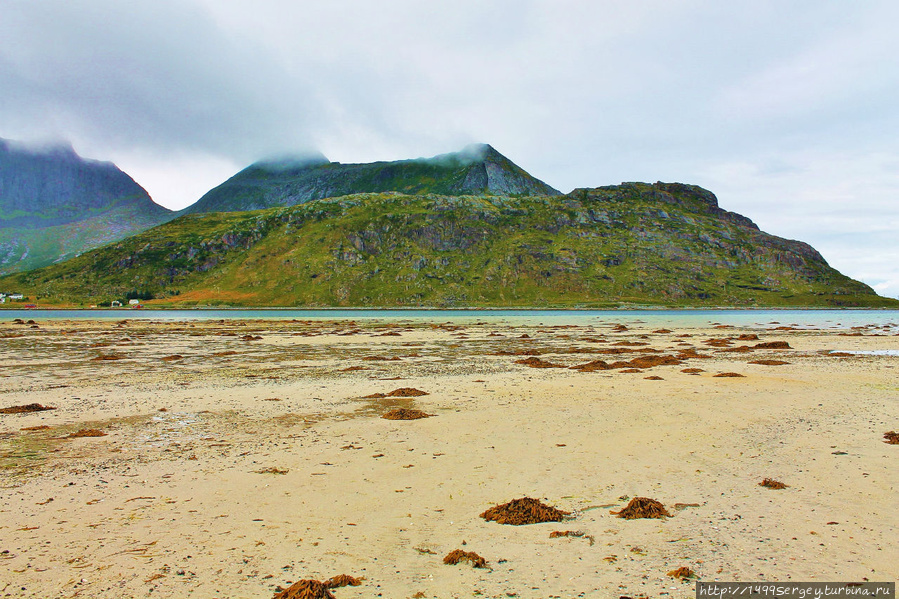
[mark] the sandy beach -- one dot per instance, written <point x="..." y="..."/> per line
<point x="234" y="458"/>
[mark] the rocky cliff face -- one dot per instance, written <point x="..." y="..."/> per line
<point x="635" y="243"/>
<point x="55" y="204"/>
<point x="476" y="170"/>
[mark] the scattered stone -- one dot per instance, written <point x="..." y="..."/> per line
<point x="405" y="414"/>
<point x="523" y="511"/>
<point x="457" y="555"/>
<point x="26" y="409"/>
<point x="772" y="484"/>
<point x="642" y="507"/>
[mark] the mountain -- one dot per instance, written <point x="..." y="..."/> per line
<point x="635" y="243"/>
<point x="55" y="204"/>
<point x="476" y="170"/>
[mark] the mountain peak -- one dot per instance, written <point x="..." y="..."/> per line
<point x="477" y="169"/>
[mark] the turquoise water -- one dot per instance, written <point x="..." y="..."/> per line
<point x="657" y="318"/>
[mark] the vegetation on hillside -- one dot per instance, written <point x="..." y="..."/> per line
<point x="661" y="244"/>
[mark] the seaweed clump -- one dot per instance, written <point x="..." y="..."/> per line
<point x="682" y="572"/>
<point x="457" y="555"/>
<point x="26" y="409"/>
<point x="642" y="507"/>
<point x="306" y="589"/>
<point x="405" y="414"/>
<point x="770" y="483"/>
<point x="523" y="511"/>
<point x="313" y="589"/>
<point x="891" y="438"/>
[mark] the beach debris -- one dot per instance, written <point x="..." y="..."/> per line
<point x="401" y="392"/>
<point x="729" y="374"/>
<point x="662" y="331"/>
<point x="692" y="370"/>
<point x="86" y="432"/>
<point x="748" y="337"/>
<point x="653" y="378"/>
<point x="642" y="507"/>
<point x="769" y="362"/>
<point x="773" y="345"/>
<point x="457" y="555"/>
<point x="772" y="484"/>
<point x="271" y="470"/>
<point x="535" y="362"/>
<point x="405" y="414"/>
<point x="525" y="510"/>
<point x="573" y="534"/>
<point x="381" y="359"/>
<point x="343" y="580"/>
<point x="681" y="573"/>
<point x="305" y="589"/>
<point x="108" y="357"/>
<point x="683" y="506"/>
<point x="25" y="409"/>
<point x="891" y="438"/>
<point x="172" y="358"/>
<point x="40" y="427"/>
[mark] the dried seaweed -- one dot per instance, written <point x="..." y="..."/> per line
<point x="891" y="438"/>
<point x="305" y="589"/>
<point x="538" y="363"/>
<point x="769" y="362"/>
<point x="457" y="555"/>
<point x="682" y="572"/>
<point x="342" y="580"/>
<point x="26" y="409"/>
<point x="87" y="432"/>
<point x="773" y="345"/>
<point x="405" y="414"/>
<point x="642" y="507"/>
<point x="523" y="511"/>
<point x="729" y="374"/>
<point x="772" y="484"/>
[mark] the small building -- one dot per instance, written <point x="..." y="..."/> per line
<point x="16" y="296"/>
<point x="133" y="302"/>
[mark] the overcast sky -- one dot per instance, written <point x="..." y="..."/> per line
<point x="789" y="112"/>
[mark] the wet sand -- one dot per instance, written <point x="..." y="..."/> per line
<point x="241" y="456"/>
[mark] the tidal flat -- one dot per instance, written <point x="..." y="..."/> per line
<point x="235" y="457"/>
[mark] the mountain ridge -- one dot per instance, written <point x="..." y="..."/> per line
<point x="477" y="169"/>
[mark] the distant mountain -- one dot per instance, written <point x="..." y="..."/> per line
<point x="55" y="204"/>
<point x="476" y="170"/>
<point x="663" y="244"/>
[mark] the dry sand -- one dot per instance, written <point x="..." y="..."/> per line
<point x="240" y="457"/>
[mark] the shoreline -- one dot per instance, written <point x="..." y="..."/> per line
<point x="245" y="455"/>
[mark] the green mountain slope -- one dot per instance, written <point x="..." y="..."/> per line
<point x="636" y="243"/>
<point x="477" y="170"/>
<point x="55" y="204"/>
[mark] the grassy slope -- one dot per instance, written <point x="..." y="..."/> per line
<point x="398" y="250"/>
<point x="24" y="248"/>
